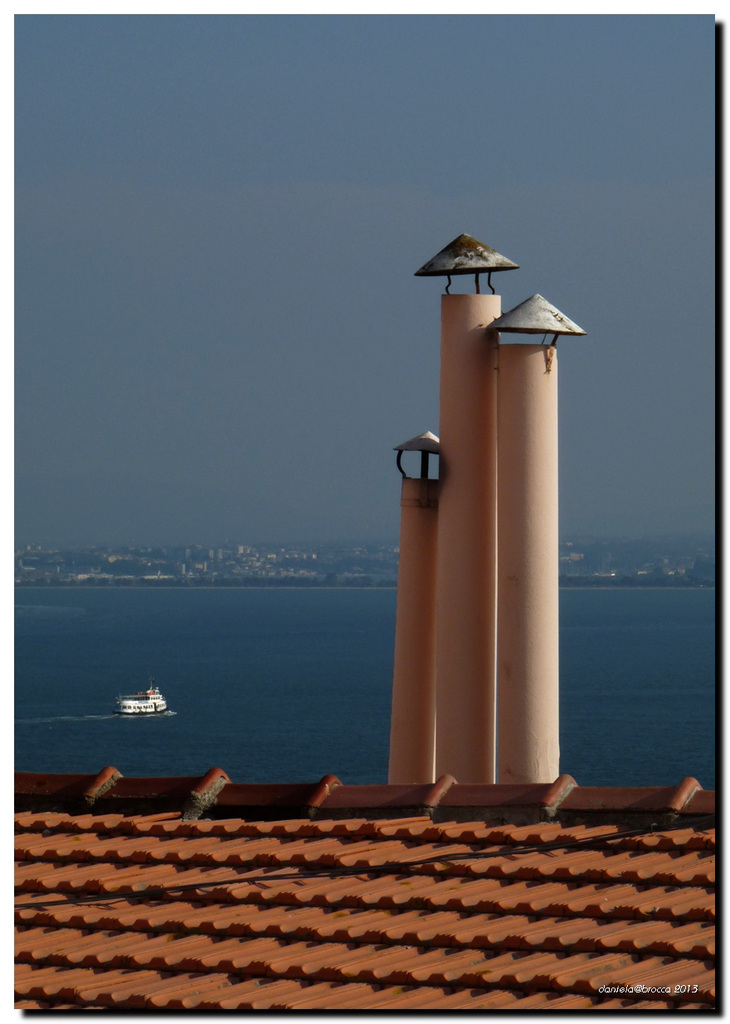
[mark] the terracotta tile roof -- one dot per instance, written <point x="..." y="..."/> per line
<point x="202" y="894"/>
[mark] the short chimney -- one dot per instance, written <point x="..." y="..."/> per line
<point x="412" y="723"/>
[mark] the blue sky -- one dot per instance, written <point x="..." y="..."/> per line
<point x="218" y="219"/>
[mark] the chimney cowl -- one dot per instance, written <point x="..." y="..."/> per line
<point x="427" y="442"/>
<point x="535" y="316"/>
<point x="465" y="255"/>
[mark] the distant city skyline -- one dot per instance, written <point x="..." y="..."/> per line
<point x="218" y="220"/>
<point x="675" y="562"/>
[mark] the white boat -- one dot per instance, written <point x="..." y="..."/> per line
<point x="146" y="702"/>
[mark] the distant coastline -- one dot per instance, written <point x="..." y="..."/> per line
<point x="682" y="562"/>
<point x="571" y="583"/>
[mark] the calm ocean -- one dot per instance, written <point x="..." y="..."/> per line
<point x="286" y="685"/>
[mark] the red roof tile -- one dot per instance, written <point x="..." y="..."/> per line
<point x="326" y="896"/>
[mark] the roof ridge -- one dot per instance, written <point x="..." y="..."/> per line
<point x="446" y="799"/>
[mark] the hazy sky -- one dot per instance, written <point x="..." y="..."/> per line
<point x="218" y="220"/>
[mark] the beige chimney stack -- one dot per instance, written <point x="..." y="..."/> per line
<point x="467" y="528"/>
<point x="476" y="667"/>
<point x="413" y="711"/>
<point x="527" y="592"/>
<point x="467" y="540"/>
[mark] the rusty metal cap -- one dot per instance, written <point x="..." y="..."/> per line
<point x="427" y="442"/>
<point x="535" y="316"/>
<point x="465" y="255"/>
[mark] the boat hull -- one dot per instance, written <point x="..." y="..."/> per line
<point x="143" y="703"/>
<point x="140" y="712"/>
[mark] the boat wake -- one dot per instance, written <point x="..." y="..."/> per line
<point x="86" y="718"/>
<point x="63" y="718"/>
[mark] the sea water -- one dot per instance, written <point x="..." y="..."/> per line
<point x="287" y="685"/>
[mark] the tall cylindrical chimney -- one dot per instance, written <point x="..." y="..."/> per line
<point x="466" y="556"/>
<point x="466" y="563"/>
<point x="412" y="723"/>
<point x="527" y="592"/>
<point x="527" y="637"/>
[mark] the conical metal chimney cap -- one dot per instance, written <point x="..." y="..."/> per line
<point x="427" y="442"/>
<point x="535" y="316"/>
<point x="465" y="255"/>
